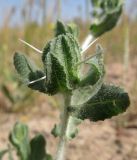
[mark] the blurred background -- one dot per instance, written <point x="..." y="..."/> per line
<point x="34" y="21"/>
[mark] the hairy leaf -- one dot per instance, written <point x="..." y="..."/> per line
<point x="56" y="131"/>
<point x="108" y="102"/>
<point x="92" y="82"/>
<point x="60" y="57"/>
<point x="64" y="29"/>
<point x="71" y="131"/>
<point x="60" y="28"/>
<point x="20" y="140"/>
<point x="29" y="72"/>
<point x="105" y="15"/>
<point x="38" y="152"/>
<point x="73" y="29"/>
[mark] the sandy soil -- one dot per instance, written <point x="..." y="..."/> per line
<point x="100" y="141"/>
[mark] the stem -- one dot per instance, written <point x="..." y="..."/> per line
<point x="87" y="41"/>
<point x="60" y="155"/>
<point x="85" y="44"/>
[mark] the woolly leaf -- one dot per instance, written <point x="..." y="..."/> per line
<point x="56" y="131"/>
<point x="105" y="15"/>
<point x="71" y="131"/>
<point x="73" y="29"/>
<point x="38" y="152"/>
<point x="20" y="140"/>
<point x="60" y="57"/>
<point x="64" y="29"/>
<point x="92" y="82"/>
<point x="60" y="28"/>
<point x="29" y="72"/>
<point x="108" y="102"/>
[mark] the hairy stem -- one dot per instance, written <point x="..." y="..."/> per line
<point x="87" y="41"/>
<point x="60" y="155"/>
<point x="85" y="44"/>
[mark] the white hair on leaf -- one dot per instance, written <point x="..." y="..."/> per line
<point x="37" y="80"/>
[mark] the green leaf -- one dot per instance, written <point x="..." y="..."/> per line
<point x="60" y="57"/>
<point x="71" y="131"/>
<point x="108" y="102"/>
<point x="73" y="29"/>
<point x="38" y="152"/>
<point x="64" y="29"/>
<point x="20" y="140"/>
<point x="91" y="77"/>
<point x="60" y="28"/>
<point x="56" y="131"/>
<point x="105" y="15"/>
<point x="92" y="82"/>
<point x="26" y="149"/>
<point x="22" y="66"/>
<point x="29" y="72"/>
